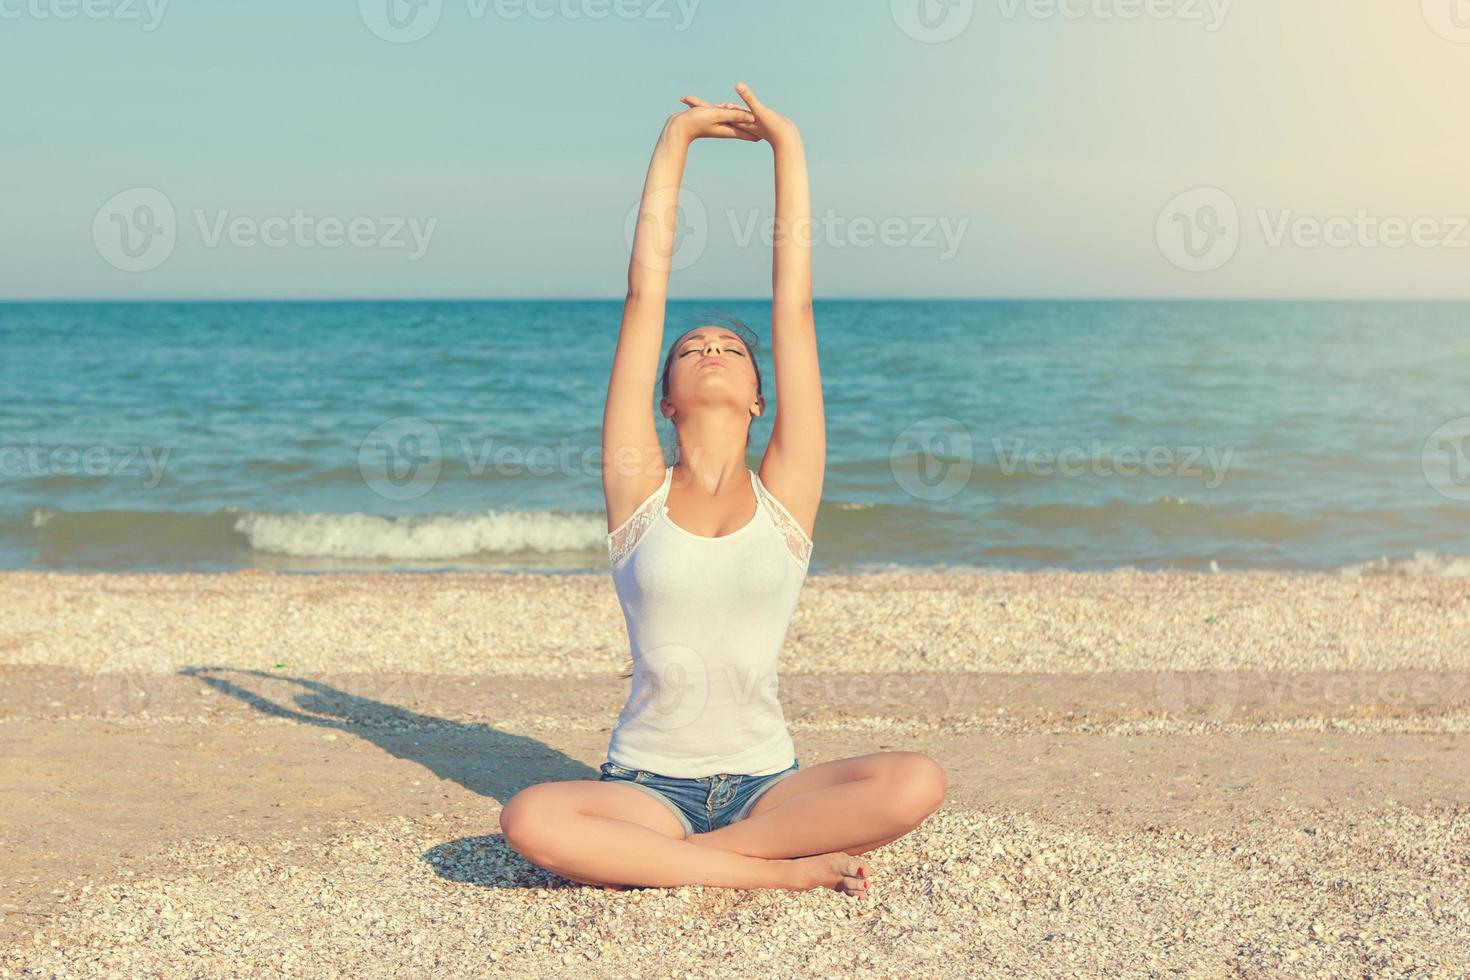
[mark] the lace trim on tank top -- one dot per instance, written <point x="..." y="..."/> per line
<point x="622" y="539"/>
<point x="796" y="539"/>
<point x="625" y="537"/>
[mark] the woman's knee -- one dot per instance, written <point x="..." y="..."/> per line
<point x="914" y="787"/>
<point x="525" y="820"/>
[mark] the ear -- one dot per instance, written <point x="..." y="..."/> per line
<point x="759" y="408"/>
<point x="666" y="408"/>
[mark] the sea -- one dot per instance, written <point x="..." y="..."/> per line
<point x="962" y="435"/>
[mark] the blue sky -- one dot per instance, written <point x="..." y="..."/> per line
<point x="1049" y="148"/>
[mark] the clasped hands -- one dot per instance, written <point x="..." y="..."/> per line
<point x="753" y="122"/>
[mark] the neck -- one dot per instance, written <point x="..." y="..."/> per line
<point x="712" y="450"/>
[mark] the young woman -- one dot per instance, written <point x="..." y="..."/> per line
<point x="702" y="785"/>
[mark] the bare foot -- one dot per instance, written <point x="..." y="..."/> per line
<point x="838" y="870"/>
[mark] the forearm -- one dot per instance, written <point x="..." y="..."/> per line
<point x="791" y="272"/>
<point x="653" y="239"/>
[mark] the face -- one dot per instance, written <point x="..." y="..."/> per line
<point x="711" y="365"/>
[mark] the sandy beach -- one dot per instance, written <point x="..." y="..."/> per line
<point x="1216" y="775"/>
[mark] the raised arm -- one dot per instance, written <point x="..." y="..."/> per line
<point x="632" y="462"/>
<point x="796" y="458"/>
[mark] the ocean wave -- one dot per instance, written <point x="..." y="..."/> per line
<point x="434" y="537"/>
<point x="222" y="535"/>
<point x="1424" y="564"/>
<point x="861" y="539"/>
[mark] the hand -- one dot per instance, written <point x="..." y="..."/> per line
<point x="745" y="124"/>
<point x="770" y="125"/>
<point x="704" y="121"/>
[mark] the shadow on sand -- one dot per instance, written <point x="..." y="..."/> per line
<point x="480" y="758"/>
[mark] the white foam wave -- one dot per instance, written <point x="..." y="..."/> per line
<point x="1424" y="564"/>
<point x="434" y="537"/>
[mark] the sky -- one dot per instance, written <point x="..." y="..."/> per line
<point x="957" y="148"/>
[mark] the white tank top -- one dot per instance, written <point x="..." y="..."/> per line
<point x="706" y="620"/>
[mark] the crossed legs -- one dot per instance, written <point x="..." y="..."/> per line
<point x="802" y="833"/>
<point x="854" y="805"/>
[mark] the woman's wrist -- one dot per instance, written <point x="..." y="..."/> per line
<point x="676" y="131"/>
<point x="787" y="143"/>
<point x="789" y="148"/>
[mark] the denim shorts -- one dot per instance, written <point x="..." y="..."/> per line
<point x="703" y="803"/>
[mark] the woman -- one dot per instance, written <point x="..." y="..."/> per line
<point x="702" y="785"/>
